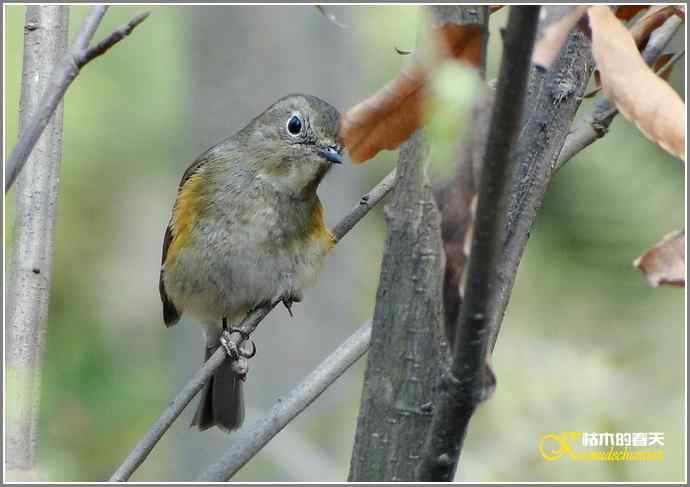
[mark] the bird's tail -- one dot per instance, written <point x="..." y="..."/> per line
<point x="222" y="400"/>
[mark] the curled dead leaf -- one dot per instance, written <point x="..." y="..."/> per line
<point x="663" y="68"/>
<point x="664" y="264"/>
<point x="392" y="114"/>
<point x="555" y="23"/>
<point x="639" y="94"/>
<point x="627" y="12"/>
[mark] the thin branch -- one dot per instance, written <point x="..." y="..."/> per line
<point x="330" y="17"/>
<point x="45" y="41"/>
<point x="247" y="442"/>
<point x="469" y="379"/>
<point x="366" y="203"/>
<point x="64" y="73"/>
<point x="137" y="456"/>
<point x="89" y="28"/>
<point x="114" y="37"/>
<point x="593" y="126"/>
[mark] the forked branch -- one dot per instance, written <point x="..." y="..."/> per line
<point x="64" y="73"/>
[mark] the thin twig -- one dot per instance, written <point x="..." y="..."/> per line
<point x="666" y="68"/>
<point x="89" y="27"/>
<point x="331" y="17"/>
<point x="29" y="271"/>
<point x="469" y="379"/>
<point x="592" y="126"/>
<point x="65" y="72"/>
<point x="114" y="37"/>
<point x="250" y="440"/>
<point x="137" y="456"/>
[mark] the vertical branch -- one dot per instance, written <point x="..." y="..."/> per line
<point x="469" y="380"/>
<point x="395" y="410"/>
<point x="45" y="40"/>
<point x="407" y="335"/>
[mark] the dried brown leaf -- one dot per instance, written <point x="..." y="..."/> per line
<point x="663" y="68"/>
<point x="627" y="12"/>
<point x="639" y="94"/>
<point x="664" y="264"/>
<point x="392" y="114"/>
<point x="555" y="24"/>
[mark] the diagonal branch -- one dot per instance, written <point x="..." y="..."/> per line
<point x="137" y="456"/>
<point x="64" y="73"/>
<point x="249" y="441"/>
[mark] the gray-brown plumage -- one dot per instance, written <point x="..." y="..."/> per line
<point x="248" y="228"/>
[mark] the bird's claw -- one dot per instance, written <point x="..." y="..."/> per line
<point x="229" y="345"/>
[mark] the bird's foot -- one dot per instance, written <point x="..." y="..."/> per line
<point x="229" y="345"/>
<point x="239" y="350"/>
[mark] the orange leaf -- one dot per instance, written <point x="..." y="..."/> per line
<point x="555" y="24"/>
<point x="392" y="114"/>
<point x="664" y="264"/>
<point x="640" y="95"/>
<point x="627" y="12"/>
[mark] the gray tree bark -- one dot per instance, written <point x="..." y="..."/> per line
<point x="408" y="343"/>
<point x="553" y="99"/>
<point x="45" y="41"/>
<point x="407" y="332"/>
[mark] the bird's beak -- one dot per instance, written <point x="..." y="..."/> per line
<point x="332" y="154"/>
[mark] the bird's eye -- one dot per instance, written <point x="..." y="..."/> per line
<point x="294" y="125"/>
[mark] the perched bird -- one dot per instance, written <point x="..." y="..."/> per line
<point x="247" y="228"/>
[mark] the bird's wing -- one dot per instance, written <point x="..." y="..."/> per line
<point x="171" y="314"/>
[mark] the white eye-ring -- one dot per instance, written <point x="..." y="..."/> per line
<point x="294" y="125"/>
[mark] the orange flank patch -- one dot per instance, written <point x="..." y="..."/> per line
<point x="186" y="210"/>
<point x="316" y="230"/>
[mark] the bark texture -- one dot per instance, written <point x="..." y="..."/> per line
<point x="553" y="99"/>
<point x="45" y="41"/>
<point x="469" y="380"/>
<point x="396" y="407"/>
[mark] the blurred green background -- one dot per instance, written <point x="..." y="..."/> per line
<point x="586" y="345"/>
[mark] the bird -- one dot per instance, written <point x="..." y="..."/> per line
<point x="248" y="229"/>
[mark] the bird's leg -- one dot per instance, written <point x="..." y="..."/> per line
<point x="237" y="352"/>
<point x="226" y="343"/>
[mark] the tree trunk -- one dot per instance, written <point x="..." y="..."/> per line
<point x="45" y="41"/>
<point x="396" y="407"/>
